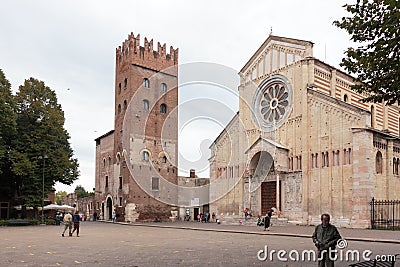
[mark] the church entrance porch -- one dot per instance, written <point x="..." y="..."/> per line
<point x="266" y="167"/>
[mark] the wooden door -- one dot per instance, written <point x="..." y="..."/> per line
<point x="268" y="196"/>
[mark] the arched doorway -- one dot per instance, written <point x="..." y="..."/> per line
<point x="109" y="208"/>
<point x="261" y="166"/>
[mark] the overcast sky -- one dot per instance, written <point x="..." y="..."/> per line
<point x="70" y="45"/>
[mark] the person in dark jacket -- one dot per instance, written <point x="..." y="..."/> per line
<point x="267" y="220"/>
<point x="325" y="238"/>
<point x="76" y="218"/>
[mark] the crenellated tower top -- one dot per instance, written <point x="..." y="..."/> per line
<point x="132" y="53"/>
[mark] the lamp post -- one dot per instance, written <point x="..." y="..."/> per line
<point x="44" y="162"/>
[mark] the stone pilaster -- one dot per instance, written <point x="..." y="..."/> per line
<point x="363" y="177"/>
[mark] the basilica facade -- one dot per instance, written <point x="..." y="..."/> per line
<point x="303" y="142"/>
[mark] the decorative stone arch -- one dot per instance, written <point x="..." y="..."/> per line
<point x="143" y="156"/>
<point x="277" y="151"/>
<point x="118" y="157"/>
<point x="163" y="157"/>
<point x="124" y="153"/>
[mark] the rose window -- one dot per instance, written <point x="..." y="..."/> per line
<point x="272" y="102"/>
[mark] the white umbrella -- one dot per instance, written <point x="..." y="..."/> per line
<point x="51" y="207"/>
<point x="66" y="207"/>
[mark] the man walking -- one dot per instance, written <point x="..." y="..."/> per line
<point x="325" y="238"/>
<point x="76" y="220"/>
<point x="67" y="223"/>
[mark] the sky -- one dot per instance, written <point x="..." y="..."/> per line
<point x="70" y="45"/>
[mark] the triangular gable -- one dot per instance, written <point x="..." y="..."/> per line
<point x="268" y="141"/>
<point x="276" y="52"/>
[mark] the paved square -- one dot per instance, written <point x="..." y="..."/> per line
<point x="106" y="244"/>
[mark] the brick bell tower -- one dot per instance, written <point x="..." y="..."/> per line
<point x="146" y="117"/>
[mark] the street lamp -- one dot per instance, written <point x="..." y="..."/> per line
<point x="44" y="162"/>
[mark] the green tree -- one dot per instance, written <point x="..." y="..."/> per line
<point x="59" y="196"/>
<point x="375" y="25"/>
<point x="42" y="149"/>
<point x="81" y="192"/>
<point x="7" y="133"/>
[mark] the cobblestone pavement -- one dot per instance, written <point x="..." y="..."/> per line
<point x="107" y="244"/>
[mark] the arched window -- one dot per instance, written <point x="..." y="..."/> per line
<point x="397" y="166"/>
<point x="378" y="162"/>
<point x="290" y="163"/>
<point x="124" y="104"/>
<point x="312" y="161"/>
<point x="163" y="108"/>
<point x="299" y="163"/>
<point x="333" y="158"/>
<point x="146" y="104"/>
<point x="146" y="83"/>
<point x="109" y="161"/>
<point x="118" y="158"/>
<point x="345" y="98"/>
<point x="119" y="88"/>
<point x="337" y="157"/>
<point x="163" y="87"/>
<point x="349" y="156"/>
<point x="326" y="159"/>
<point x="119" y="108"/>
<point x="145" y="156"/>
<point x="125" y="83"/>
<point x="104" y="162"/>
<point x="372" y="116"/>
<point x="394" y="165"/>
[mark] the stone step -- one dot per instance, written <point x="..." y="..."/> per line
<point x="252" y="221"/>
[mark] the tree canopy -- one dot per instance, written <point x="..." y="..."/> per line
<point x="375" y="26"/>
<point x="39" y="151"/>
<point x="7" y="133"/>
<point x="59" y="197"/>
<point x="81" y="192"/>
